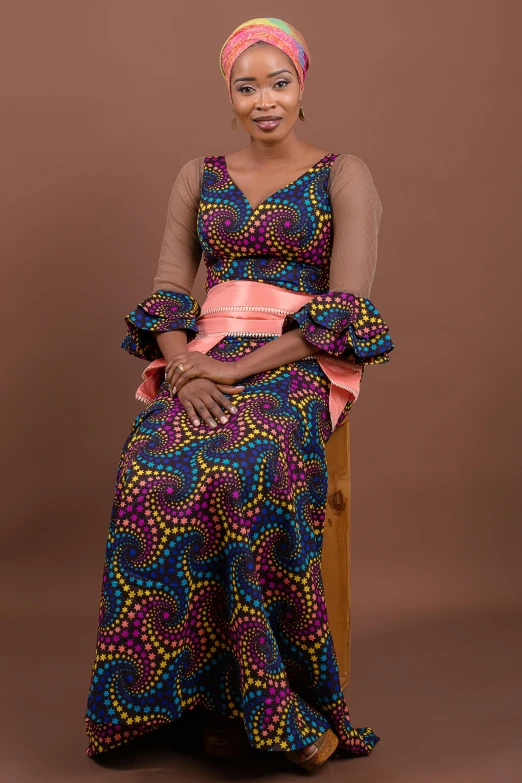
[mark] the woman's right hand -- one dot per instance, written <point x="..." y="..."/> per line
<point x="205" y="401"/>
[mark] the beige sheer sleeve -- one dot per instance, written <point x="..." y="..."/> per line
<point x="357" y="211"/>
<point x="180" y="254"/>
<point x="171" y="305"/>
<point x="344" y="322"/>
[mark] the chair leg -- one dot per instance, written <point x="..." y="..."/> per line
<point x="335" y="564"/>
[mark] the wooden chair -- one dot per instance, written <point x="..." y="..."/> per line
<point x="335" y="565"/>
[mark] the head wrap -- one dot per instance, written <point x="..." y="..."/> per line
<point x="272" y="31"/>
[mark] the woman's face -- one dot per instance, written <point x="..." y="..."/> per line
<point x="264" y="84"/>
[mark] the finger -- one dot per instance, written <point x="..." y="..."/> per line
<point x="205" y="414"/>
<point x="175" y="376"/>
<point x="168" y="384"/>
<point x="225" y="403"/>
<point x="191" y="412"/>
<point x="173" y="369"/>
<point x="227" y="389"/>
<point x="171" y="366"/>
<point x="185" y="376"/>
<point x="213" y="408"/>
<point x="216" y="409"/>
<point x="178" y="358"/>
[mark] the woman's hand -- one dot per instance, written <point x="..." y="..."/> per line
<point x="198" y="365"/>
<point x="205" y="400"/>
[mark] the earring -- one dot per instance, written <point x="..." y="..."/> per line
<point x="233" y="126"/>
<point x="301" y="113"/>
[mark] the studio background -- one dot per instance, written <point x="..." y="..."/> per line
<point x="102" y="103"/>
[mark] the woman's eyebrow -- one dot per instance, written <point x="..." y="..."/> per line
<point x="253" y="78"/>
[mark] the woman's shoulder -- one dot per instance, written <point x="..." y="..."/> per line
<point x="348" y="165"/>
<point x="192" y="171"/>
<point x="188" y="180"/>
<point x="197" y="164"/>
<point x="350" y="177"/>
<point x="192" y="168"/>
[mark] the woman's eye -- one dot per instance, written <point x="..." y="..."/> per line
<point x="245" y="88"/>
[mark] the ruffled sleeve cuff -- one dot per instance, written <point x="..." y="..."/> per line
<point x="345" y="325"/>
<point x="163" y="311"/>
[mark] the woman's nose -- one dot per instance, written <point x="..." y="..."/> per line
<point x="265" y="101"/>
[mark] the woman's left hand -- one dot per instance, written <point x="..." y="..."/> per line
<point x="199" y="365"/>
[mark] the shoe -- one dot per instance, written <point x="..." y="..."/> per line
<point x="324" y="747"/>
<point x="225" y="737"/>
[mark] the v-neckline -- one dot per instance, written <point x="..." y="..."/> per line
<point x="284" y="187"/>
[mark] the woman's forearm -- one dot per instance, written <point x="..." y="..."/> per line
<point x="172" y="343"/>
<point x="289" y="347"/>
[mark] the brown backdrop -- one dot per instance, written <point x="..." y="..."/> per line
<point x="102" y="102"/>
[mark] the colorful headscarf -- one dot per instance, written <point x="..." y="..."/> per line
<point x="272" y="31"/>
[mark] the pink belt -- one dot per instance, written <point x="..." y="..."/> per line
<point x="258" y="310"/>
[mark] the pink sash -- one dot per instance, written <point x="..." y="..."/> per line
<point x="246" y="307"/>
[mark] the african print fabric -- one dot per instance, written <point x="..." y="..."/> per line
<point x="212" y="594"/>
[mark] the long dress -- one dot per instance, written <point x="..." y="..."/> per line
<point x="212" y="593"/>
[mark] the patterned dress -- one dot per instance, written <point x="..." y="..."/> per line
<point x="212" y="593"/>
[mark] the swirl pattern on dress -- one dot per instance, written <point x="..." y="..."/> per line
<point x="212" y="594"/>
<point x="286" y="240"/>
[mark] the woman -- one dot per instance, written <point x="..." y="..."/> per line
<point x="212" y="594"/>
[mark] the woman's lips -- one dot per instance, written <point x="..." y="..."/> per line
<point x="268" y="124"/>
